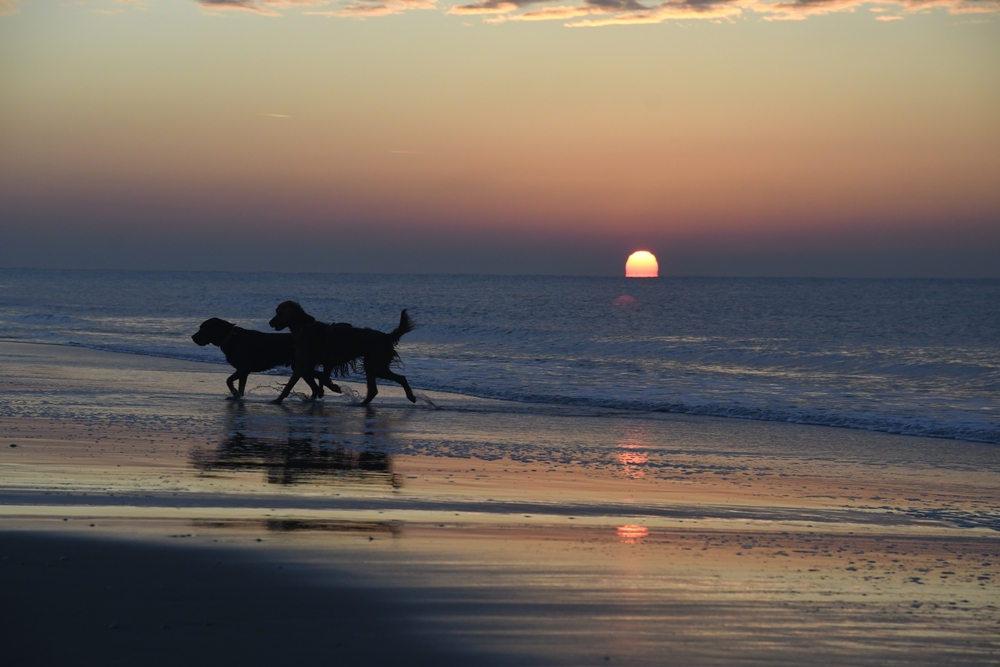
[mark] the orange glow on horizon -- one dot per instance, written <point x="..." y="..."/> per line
<point x="642" y="264"/>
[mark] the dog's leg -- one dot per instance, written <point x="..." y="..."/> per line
<point x="372" y="390"/>
<point x="288" y="389"/>
<point x="243" y="383"/>
<point x="318" y="377"/>
<point x="401" y="381"/>
<point x="316" y="389"/>
<point x="324" y="377"/>
<point x="232" y="389"/>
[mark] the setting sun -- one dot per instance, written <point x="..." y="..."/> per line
<point x="642" y="264"/>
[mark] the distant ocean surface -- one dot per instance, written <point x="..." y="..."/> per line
<point x="918" y="357"/>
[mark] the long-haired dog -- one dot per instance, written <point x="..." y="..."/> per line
<point x="340" y="349"/>
<point x="246" y="350"/>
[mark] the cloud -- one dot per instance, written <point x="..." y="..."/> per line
<point x="8" y="7"/>
<point x="605" y="12"/>
<point x="244" y="5"/>
<point x="357" y="8"/>
<point x="586" y="13"/>
<point x="974" y="8"/>
<point x="798" y="10"/>
<point x="594" y="13"/>
<point x="554" y="13"/>
<point x="492" y="7"/>
<point x="263" y="7"/>
<point x="366" y="8"/>
<point x="801" y="9"/>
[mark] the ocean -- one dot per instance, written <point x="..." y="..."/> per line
<point x="914" y="357"/>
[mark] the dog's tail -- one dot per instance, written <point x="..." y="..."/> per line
<point x="405" y="326"/>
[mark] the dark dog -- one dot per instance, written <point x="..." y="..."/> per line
<point x="246" y="350"/>
<point x="339" y="348"/>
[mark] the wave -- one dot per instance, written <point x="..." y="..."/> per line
<point x="958" y="429"/>
<point x="49" y="320"/>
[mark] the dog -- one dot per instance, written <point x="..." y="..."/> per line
<point x="339" y="348"/>
<point x="246" y="350"/>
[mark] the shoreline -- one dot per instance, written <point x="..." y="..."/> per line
<point x="473" y="401"/>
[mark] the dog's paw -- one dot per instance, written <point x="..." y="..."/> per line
<point x="336" y="389"/>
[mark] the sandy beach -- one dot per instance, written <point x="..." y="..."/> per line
<point x="144" y="518"/>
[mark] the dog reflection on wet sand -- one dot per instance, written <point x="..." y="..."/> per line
<point x="296" y="460"/>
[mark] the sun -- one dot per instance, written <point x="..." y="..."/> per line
<point x="642" y="264"/>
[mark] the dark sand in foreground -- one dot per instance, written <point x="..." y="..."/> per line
<point x="78" y="601"/>
<point x="480" y="532"/>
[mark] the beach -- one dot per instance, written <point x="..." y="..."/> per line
<point x="669" y="341"/>
<point x="142" y="512"/>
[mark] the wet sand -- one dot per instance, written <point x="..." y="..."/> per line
<point x="461" y="530"/>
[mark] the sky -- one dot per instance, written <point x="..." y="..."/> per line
<point x="728" y="137"/>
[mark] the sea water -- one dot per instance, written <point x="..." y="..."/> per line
<point x="918" y="357"/>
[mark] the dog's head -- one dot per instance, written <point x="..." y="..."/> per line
<point x="287" y="314"/>
<point x="212" y="331"/>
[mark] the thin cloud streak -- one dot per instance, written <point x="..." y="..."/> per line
<point x="491" y="7"/>
<point x="356" y="9"/>
<point x="801" y="9"/>
<point x="241" y="5"/>
<point x="596" y="13"/>
<point x="375" y="8"/>
<point x="262" y="7"/>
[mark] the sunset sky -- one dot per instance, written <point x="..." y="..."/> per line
<point x="729" y="137"/>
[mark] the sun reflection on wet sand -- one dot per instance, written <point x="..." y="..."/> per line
<point x="632" y="534"/>
<point x="632" y="455"/>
